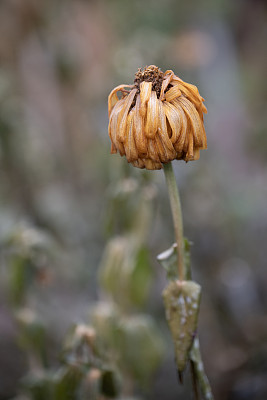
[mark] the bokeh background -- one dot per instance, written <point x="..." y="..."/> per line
<point x="58" y="62"/>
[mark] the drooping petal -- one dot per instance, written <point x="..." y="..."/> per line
<point x="152" y="165"/>
<point x="196" y="154"/>
<point x="153" y="150"/>
<point x="122" y="119"/>
<point x="162" y="129"/>
<point x="193" y="116"/>
<point x="152" y="114"/>
<point x="113" y="96"/>
<point x="165" y="154"/>
<point x="139" y="163"/>
<point x="145" y="93"/>
<point x="165" y="83"/>
<point x="174" y="118"/>
<point x="192" y="93"/>
<point x="113" y="126"/>
<point x="130" y="148"/>
<point x="190" y="150"/>
<point x="113" y="149"/>
<point x="140" y="138"/>
<point x="179" y="144"/>
<point x="173" y="93"/>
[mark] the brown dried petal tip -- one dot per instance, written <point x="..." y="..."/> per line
<point x="156" y="120"/>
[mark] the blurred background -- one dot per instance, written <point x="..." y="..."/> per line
<point x="64" y="199"/>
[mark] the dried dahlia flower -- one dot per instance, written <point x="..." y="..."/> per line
<point x="156" y="120"/>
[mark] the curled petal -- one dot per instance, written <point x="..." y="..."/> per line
<point x="179" y="144"/>
<point x="162" y="129"/>
<point x="196" y="154"/>
<point x="193" y="116"/>
<point x="192" y="93"/>
<point x="113" y="96"/>
<point x="138" y="163"/>
<point x="140" y="138"/>
<point x="153" y="150"/>
<point x="165" y="154"/>
<point x="122" y="119"/>
<point x="113" y="149"/>
<point x="113" y="127"/>
<point x="151" y="126"/>
<point x="165" y="83"/>
<point x="173" y="93"/>
<point x="175" y="120"/>
<point x="152" y="165"/>
<point x="130" y="148"/>
<point x="190" y="150"/>
<point x="145" y="93"/>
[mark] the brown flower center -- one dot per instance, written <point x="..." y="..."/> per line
<point x="149" y="74"/>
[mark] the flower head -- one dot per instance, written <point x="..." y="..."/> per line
<point x="157" y="119"/>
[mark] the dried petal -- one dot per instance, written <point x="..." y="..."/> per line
<point x="149" y="164"/>
<point x="179" y="144"/>
<point x="164" y="153"/>
<point x="175" y="120"/>
<point x="173" y="93"/>
<point x="162" y="129"/>
<point x="193" y="116"/>
<point x="152" y="130"/>
<point x="113" y="97"/>
<point x="165" y="83"/>
<point x="122" y="119"/>
<point x="145" y="93"/>
<point x="190" y="150"/>
<point x="140" y="138"/>
<point x="153" y="150"/>
<point x="130" y="148"/>
<point x="151" y="126"/>
<point x="113" y="126"/>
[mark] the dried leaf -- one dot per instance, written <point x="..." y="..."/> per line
<point x="181" y="299"/>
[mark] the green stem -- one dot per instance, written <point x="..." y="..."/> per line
<point x="176" y="215"/>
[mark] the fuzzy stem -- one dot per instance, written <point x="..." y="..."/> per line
<point x="176" y="215"/>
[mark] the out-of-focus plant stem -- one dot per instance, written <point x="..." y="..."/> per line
<point x="176" y="215"/>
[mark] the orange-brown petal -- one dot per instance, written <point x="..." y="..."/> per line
<point x="140" y="138"/>
<point x="165" y="83"/>
<point x="174" y="119"/>
<point x="130" y="148"/>
<point x="173" y="93"/>
<point x="113" y="96"/>
<point x="179" y="144"/>
<point x="153" y="150"/>
<point x="162" y="129"/>
<point x="122" y="119"/>
<point x="113" y="126"/>
<point x="151" y="125"/>
<point x="193" y="116"/>
<point x="145" y="93"/>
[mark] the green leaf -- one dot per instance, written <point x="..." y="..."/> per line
<point x="125" y="272"/>
<point x="67" y="383"/>
<point x="181" y="300"/>
<point x="141" y="278"/>
<point x="141" y="347"/>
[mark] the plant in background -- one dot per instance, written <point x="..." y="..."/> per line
<point x="100" y="358"/>
<point x="154" y="121"/>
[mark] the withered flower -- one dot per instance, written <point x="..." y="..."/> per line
<point x="157" y="119"/>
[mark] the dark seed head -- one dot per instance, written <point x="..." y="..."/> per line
<point x="152" y="74"/>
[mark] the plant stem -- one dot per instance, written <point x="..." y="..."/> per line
<point x="176" y="215"/>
